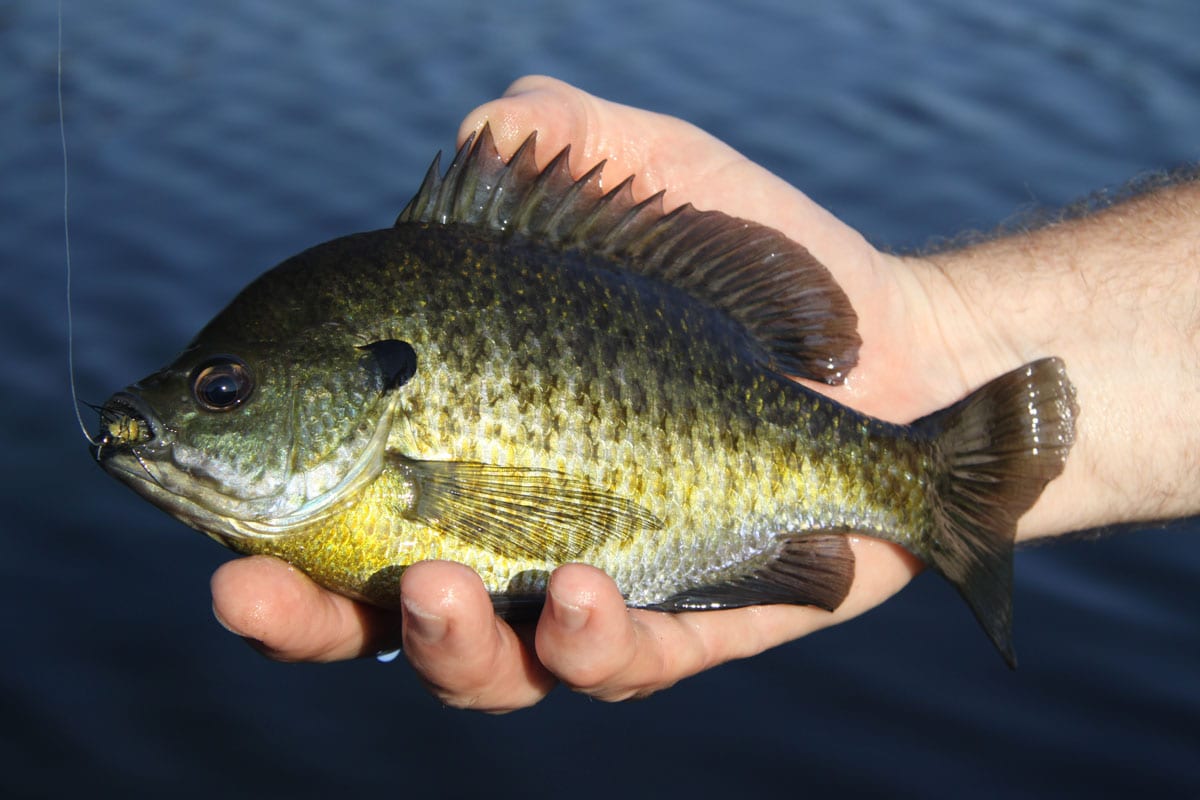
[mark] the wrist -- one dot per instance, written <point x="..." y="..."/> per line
<point x="1116" y="295"/>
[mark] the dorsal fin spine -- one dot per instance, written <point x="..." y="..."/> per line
<point x="628" y="235"/>
<point x="539" y="202"/>
<point x="475" y="192"/>
<point x="421" y="203"/>
<point x="568" y="196"/>
<point x="464" y="184"/>
<point x="590" y="224"/>
<point x="522" y="169"/>
<point x="442" y="198"/>
<point x="589" y="182"/>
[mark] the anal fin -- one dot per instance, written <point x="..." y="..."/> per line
<point x="813" y="569"/>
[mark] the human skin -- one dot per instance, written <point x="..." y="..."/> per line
<point x="1115" y="294"/>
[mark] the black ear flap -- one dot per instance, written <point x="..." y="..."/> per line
<point x="397" y="361"/>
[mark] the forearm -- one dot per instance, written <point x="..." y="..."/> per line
<point x="1116" y="294"/>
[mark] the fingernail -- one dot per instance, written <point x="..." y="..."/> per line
<point x="570" y="616"/>
<point x="427" y="626"/>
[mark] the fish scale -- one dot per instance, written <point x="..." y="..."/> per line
<point x="751" y="460"/>
<point x="526" y="370"/>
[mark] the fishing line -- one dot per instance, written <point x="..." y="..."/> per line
<point x="62" y="135"/>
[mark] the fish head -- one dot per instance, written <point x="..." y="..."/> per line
<point x="257" y="436"/>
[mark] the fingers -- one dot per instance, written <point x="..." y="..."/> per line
<point x="595" y="645"/>
<point x="586" y="637"/>
<point x="288" y="617"/>
<point x="465" y="655"/>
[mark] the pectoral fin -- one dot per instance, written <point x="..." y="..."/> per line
<point x="520" y="512"/>
<point x="809" y="570"/>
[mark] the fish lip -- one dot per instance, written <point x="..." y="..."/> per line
<point x="128" y="406"/>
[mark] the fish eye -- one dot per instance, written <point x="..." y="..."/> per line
<point x="222" y="383"/>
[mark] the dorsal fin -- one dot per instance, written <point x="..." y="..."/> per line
<point x="785" y="299"/>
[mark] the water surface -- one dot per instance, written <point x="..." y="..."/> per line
<point x="210" y="141"/>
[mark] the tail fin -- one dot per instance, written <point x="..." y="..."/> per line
<point x="1000" y="446"/>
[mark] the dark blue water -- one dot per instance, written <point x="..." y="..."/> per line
<point x="210" y="140"/>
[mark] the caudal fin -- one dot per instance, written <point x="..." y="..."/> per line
<point x="999" y="446"/>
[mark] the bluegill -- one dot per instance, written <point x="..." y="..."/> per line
<point x="527" y="370"/>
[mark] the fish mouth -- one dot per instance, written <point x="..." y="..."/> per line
<point x="131" y="442"/>
<point x="126" y="421"/>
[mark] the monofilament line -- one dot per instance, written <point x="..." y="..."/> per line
<point x="62" y="135"/>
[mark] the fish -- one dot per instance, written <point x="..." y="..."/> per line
<point x="528" y="369"/>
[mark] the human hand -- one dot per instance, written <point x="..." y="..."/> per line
<point x="926" y="343"/>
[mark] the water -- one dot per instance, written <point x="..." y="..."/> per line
<point x="210" y="141"/>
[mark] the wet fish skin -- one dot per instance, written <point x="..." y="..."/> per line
<point x="585" y="379"/>
<point x="558" y="397"/>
